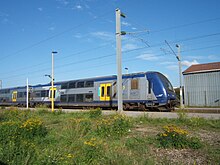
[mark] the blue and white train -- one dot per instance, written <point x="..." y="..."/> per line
<point x="145" y="90"/>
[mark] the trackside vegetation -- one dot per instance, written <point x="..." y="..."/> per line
<point x="89" y="137"/>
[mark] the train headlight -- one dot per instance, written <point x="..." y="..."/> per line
<point x="160" y="95"/>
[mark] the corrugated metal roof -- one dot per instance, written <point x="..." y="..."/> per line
<point x="209" y="67"/>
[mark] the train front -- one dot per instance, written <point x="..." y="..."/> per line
<point x="163" y="91"/>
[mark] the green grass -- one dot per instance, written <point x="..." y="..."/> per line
<point x="43" y="137"/>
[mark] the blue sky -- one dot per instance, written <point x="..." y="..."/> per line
<point x="83" y="34"/>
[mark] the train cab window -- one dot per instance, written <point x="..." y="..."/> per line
<point x="63" y="98"/>
<point x="80" y="84"/>
<point x="79" y="98"/>
<point x="72" y="85"/>
<point x="134" y="84"/>
<point x="149" y="86"/>
<point x="64" y="86"/>
<point x="89" y="84"/>
<point x="71" y="98"/>
<point x="89" y="97"/>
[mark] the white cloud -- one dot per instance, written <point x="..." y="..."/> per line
<point x="51" y="28"/>
<point x="148" y="57"/>
<point x="79" y="7"/>
<point x="63" y="2"/>
<point x="188" y="63"/>
<point x="40" y="8"/>
<point x="134" y="28"/>
<point x="213" y="57"/>
<point x="167" y="63"/>
<point x="4" y="18"/>
<point x="129" y="47"/>
<point x="104" y="35"/>
<point x="125" y="23"/>
<point x="77" y="35"/>
<point x="206" y="57"/>
<point x="173" y="67"/>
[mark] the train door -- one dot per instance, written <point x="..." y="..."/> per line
<point x="14" y="96"/>
<point x="54" y="93"/>
<point x="105" y="92"/>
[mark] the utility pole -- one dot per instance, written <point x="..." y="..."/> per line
<point x="27" y="95"/>
<point x="52" y="82"/>
<point x="0" y="84"/>
<point x="180" y="71"/>
<point x="180" y="77"/>
<point x="119" y="59"/>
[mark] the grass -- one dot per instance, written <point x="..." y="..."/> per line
<point x="43" y="137"/>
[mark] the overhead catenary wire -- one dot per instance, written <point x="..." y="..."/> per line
<point x="105" y="56"/>
<point x="100" y="57"/>
<point x="141" y="48"/>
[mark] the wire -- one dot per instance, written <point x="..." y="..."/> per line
<point x="53" y="36"/>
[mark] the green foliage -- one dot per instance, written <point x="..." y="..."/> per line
<point x="114" y="126"/>
<point x="175" y="137"/>
<point x="182" y="116"/>
<point x="43" y="137"/>
<point x="95" y="113"/>
<point x="18" y="134"/>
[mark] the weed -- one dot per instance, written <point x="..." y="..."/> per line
<point x="95" y="113"/>
<point x="175" y="137"/>
<point x="114" y="126"/>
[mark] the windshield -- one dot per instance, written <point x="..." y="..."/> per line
<point x="166" y="83"/>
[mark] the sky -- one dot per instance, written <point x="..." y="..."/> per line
<point x="83" y="34"/>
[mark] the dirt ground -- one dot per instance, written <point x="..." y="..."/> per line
<point x="184" y="156"/>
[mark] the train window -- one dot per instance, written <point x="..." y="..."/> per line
<point x="64" y="86"/>
<point x="134" y="84"/>
<point x="72" y="85"/>
<point x="108" y="91"/>
<point x="37" y="94"/>
<point x="63" y="98"/>
<point x="71" y="98"/>
<point x="80" y="84"/>
<point x="89" y="84"/>
<point x="89" y="97"/>
<point x="14" y="96"/>
<point x="54" y="93"/>
<point x="102" y="91"/>
<point x="4" y="91"/>
<point x="20" y="94"/>
<point x="79" y="98"/>
<point x="44" y="93"/>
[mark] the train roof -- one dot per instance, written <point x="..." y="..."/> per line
<point x="98" y="78"/>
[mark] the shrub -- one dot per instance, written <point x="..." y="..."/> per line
<point x="175" y="137"/>
<point x="113" y="126"/>
<point x="33" y="127"/>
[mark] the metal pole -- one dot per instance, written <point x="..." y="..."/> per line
<point x="27" y="95"/>
<point x="52" y="83"/>
<point x="1" y="84"/>
<point x="118" y="53"/>
<point x="180" y="77"/>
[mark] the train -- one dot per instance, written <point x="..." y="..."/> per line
<point x="143" y="91"/>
